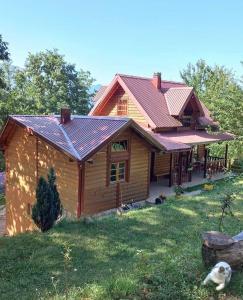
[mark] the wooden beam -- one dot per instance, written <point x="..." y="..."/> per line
<point x="180" y="169"/>
<point x="226" y="156"/>
<point x="171" y="175"/>
<point x="81" y="177"/>
<point x="205" y="162"/>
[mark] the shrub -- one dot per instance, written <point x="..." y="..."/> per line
<point x="56" y="199"/>
<point x="48" y="205"/>
<point x="43" y="210"/>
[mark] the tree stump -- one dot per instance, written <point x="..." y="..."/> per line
<point x="221" y="247"/>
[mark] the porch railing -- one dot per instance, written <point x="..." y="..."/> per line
<point x="215" y="164"/>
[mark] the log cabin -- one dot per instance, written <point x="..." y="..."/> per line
<point x="171" y="113"/>
<point x="100" y="163"/>
<point x="140" y="131"/>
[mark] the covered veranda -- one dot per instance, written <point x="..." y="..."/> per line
<point x="185" y="166"/>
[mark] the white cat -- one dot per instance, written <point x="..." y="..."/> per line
<point x="220" y="274"/>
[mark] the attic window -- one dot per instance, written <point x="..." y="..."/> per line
<point x="122" y="107"/>
<point x="119" y="146"/>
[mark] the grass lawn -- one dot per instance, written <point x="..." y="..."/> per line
<point x="152" y="253"/>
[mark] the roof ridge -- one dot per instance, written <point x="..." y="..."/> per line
<point x="150" y="78"/>
<point x="44" y="116"/>
<point x="179" y="88"/>
<point x="67" y="138"/>
<point x="111" y="118"/>
<point x="134" y="76"/>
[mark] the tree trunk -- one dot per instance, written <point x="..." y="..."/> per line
<point x="220" y="247"/>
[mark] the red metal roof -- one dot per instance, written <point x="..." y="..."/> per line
<point x="99" y="93"/>
<point x="168" y="143"/>
<point x="193" y="137"/>
<point x="176" y="99"/>
<point x="158" y="106"/>
<point x="82" y="136"/>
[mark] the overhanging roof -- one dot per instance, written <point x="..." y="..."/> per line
<point x="81" y="137"/>
<point x="195" y="137"/>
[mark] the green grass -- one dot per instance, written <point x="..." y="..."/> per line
<point x="152" y="253"/>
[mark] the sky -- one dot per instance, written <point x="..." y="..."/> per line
<point x="129" y="36"/>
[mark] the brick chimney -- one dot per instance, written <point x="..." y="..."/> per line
<point x="65" y="115"/>
<point x="157" y="80"/>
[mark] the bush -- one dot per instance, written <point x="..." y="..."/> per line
<point x="56" y="199"/>
<point x="48" y="206"/>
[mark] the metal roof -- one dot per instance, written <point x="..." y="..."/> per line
<point x="176" y="99"/>
<point x="194" y="137"/>
<point x="83" y="135"/>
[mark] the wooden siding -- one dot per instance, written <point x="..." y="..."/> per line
<point x="162" y="164"/>
<point x="66" y="172"/>
<point x="99" y="196"/>
<point x="20" y="181"/>
<point x="110" y="108"/>
<point x="22" y="167"/>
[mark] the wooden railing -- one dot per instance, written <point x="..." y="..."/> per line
<point x="215" y="164"/>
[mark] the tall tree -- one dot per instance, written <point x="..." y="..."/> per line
<point x="48" y="82"/>
<point x="218" y="88"/>
<point x="4" y="56"/>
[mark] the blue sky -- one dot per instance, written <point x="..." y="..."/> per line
<point x="129" y="36"/>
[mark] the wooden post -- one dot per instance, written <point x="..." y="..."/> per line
<point x="190" y="162"/>
<point x="226" y="155"/>
<point x="171" y="175"/>
<point x="180" y="169"/>
<point x="205" y="163"/>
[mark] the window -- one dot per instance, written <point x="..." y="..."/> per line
<point x="187" y="121"/>
<point x="119" y="146"/>
<point x="117" y="172"/>
<point x="122" y="107"/>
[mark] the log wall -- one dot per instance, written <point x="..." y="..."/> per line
<point x="26" y="158"/>
<point x="101" y="195"/>
<point x="162" y="164"/>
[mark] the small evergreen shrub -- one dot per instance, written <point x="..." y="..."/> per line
<point x="56" y="198"/>
<point x="48" y="205"/>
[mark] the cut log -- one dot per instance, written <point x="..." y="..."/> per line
<point x="221" y="247"/>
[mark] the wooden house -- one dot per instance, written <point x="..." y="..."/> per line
<point x="171" y="113"/>
<point x="99" y="162"/>
<point x="139" y="130"/>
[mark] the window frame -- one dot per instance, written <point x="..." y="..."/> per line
<point x="117" y="171"/>
<point x="119" y="142"/>
<point x="122" y="107"/>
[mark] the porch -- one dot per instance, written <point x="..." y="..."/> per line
<point x="158" y="188"/>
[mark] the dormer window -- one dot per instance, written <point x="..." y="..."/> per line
<point x="186" y="121"/>
<point x="122" y="107"/>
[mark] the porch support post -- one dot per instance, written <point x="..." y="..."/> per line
<point x="226" y="156"/>
<point x="205" y="163"/>
<point x="171" y="175"/>
<point x="190" y="164"/>
<point x="180" y="169"/>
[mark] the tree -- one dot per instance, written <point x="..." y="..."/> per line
<point x="4" y="56"/>
<point x="43" y="210"/>
<point x="219" y="90"/>
<point x="56" y="199"/>
<point x="48" y="82"/>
